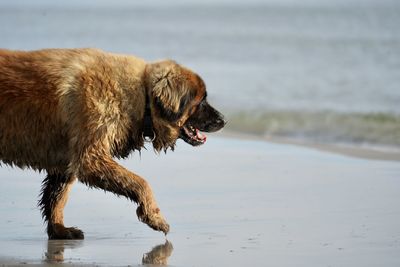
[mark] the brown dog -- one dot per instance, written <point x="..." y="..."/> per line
<point x="70" y="112"/>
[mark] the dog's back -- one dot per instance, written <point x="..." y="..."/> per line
<point x="29" y="128"/>
<point x="36" y="102"/>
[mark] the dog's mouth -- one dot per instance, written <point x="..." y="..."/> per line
<point x="192" y="135"/>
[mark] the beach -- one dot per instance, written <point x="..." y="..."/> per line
<point x="231" y="202"/>
<point x="305" y="173"/>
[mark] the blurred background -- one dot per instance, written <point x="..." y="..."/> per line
<point x="313" y="71"/>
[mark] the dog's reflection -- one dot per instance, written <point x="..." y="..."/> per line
<point x="55" y="251"/>
<point x="159" y="254"/>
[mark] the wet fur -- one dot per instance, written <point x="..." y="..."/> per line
<point x="70" y="112"/>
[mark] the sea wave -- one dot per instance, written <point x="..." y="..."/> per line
<point x="381" y="130"/>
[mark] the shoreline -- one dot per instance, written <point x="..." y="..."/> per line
<point x="346" y="150"/>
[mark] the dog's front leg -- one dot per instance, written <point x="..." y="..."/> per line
<point x="106" y="174"/>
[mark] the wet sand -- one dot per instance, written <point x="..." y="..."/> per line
<point x="363" y="152"/>
<point x="232" y="202"/>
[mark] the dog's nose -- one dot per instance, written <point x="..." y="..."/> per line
<point x="222" y="122"/>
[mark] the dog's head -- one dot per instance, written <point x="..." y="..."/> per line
<point x="179" y="105"/>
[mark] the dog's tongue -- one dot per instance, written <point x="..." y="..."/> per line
<point x="201" y="136"/>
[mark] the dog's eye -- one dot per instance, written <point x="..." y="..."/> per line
<point x="197" y="106"/>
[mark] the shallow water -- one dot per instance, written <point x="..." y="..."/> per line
<point x="229" y="203"/>
<point x="278" y="57"/>
<point x="376" y="131"/>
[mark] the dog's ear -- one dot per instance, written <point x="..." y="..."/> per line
<point x="169" y="89"/>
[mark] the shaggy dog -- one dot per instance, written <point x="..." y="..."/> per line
<point x="71" y="111"/>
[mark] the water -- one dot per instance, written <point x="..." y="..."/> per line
<point x="316" y="69"/>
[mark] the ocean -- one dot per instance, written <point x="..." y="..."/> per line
<point x="313" y="71"/>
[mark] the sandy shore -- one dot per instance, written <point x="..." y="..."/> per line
<point x="357" y="151"/>
<point x="232" y="202"/>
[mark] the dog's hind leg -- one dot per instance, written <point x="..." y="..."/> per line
<point x="55" y="189"/>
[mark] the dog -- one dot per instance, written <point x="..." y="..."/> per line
<point x="70" y="112"/>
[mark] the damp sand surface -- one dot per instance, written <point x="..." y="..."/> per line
<point x="231" y="202"/>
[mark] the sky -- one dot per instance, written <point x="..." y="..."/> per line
<point x="196" y="2"/>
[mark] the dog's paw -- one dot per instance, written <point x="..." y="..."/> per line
<point x="153" y="219"/>
<point x="58" y="231"/>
